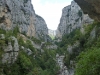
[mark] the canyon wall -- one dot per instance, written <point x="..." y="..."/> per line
<point x="21" y="13"/>
<point x="71" y="19"/>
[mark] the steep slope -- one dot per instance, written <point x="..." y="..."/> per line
<point x="79" y="46"/>
<point x="72" y="18"/>
<point x="21" y="13"/>
<point x="74" y="26"/>
<point x="25" y="47"/>
<point x="80" y="51"/>
<point x="91" y="7"/>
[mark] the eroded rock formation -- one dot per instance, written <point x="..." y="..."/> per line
<point x="72" y="18"/>
<point x="21" y="13"/>
<point x="91" y="7"/>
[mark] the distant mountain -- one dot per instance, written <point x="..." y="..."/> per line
<point x="52" y="33"/>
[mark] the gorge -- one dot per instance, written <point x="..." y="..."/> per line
<point x="26" y="47"/>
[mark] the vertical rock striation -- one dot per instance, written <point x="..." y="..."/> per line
<point x="21" y="13"/>
<point x="72" y="18"/>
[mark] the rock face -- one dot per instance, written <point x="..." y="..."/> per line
<point x="72" y="18"/>
<point x="21" y="13"/>
<point x="63" y="69"/>
<point x="91" y="7"/>
<point x="41" y="28"/>
<point x="10" y="51"/>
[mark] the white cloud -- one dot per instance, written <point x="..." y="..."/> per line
<point x="51" y="12"/>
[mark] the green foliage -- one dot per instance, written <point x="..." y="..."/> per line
<point x="48" y="43"/>
<point x="52" y="37"/>
<point x="26" y="44"/>
<point x="89" y="63"/>
<point x="2" y="31"/>
<point x="16" y="31"/>
<point x="70" y="38"/>
<point x="35" y="64"/>
<point x="67" y="60"/>
<point x="89" y="28"/>
<point x="36" y="40"/>
<point x="1" y="52"/>
<point x="45" y="61"/>
<point x="85" y="43"/>
<point x="2" y="43"/>
<point x="10" y="33"/>
<point x="21" y="41"/>
<point x="25" y="63"/>
<point x="22" y="66"/>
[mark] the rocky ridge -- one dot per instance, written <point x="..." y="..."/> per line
<point x="30" y="56"/>
<point x="72" y="18"/>
<point x="21" y="13"/>
<point x="19" y="16"/>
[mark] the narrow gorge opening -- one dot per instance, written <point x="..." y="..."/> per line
<point x="26" y="48"/>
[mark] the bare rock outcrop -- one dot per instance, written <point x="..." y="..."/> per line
<point x="10" y="51"/>
<point x="72" y="18"/>
<point x="21" y="13"/>
<point x="91" y="7"/>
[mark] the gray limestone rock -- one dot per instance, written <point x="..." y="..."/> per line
<point x="2" y="36"/>
<point x="60" y="61"/>
<point x="51" y="46"/>
<point x="41" y="28"/>
<point x="72" y="18"/>
<point x="93" y="33"/>
<point x="21" y="13"/>
<point x="29" y="52"/>
<point x="10" y="52"/>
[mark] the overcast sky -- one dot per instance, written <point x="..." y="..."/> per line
<point x="50" y="10"/>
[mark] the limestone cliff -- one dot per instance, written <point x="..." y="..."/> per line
<point x="72" y="18"/>
<point x="21" y="13"/>
<point x="92" y="7"/>
<point x="18" y="24"/>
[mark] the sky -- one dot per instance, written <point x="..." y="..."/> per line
<point x="50" y="11"/>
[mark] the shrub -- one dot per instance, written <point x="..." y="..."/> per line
<point x="89" y="63"/>
<point x="36" y="40"/>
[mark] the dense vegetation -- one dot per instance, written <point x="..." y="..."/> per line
<point x="38" y="63"/>
<point x="86" y="53"/>
<point x="52" y="37"/>
<point x="89" y="60"/>
<point x="29" y="65"/>
<point x="89" y="63"/>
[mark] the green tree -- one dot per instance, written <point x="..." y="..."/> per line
<point x="89" y="63"/>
